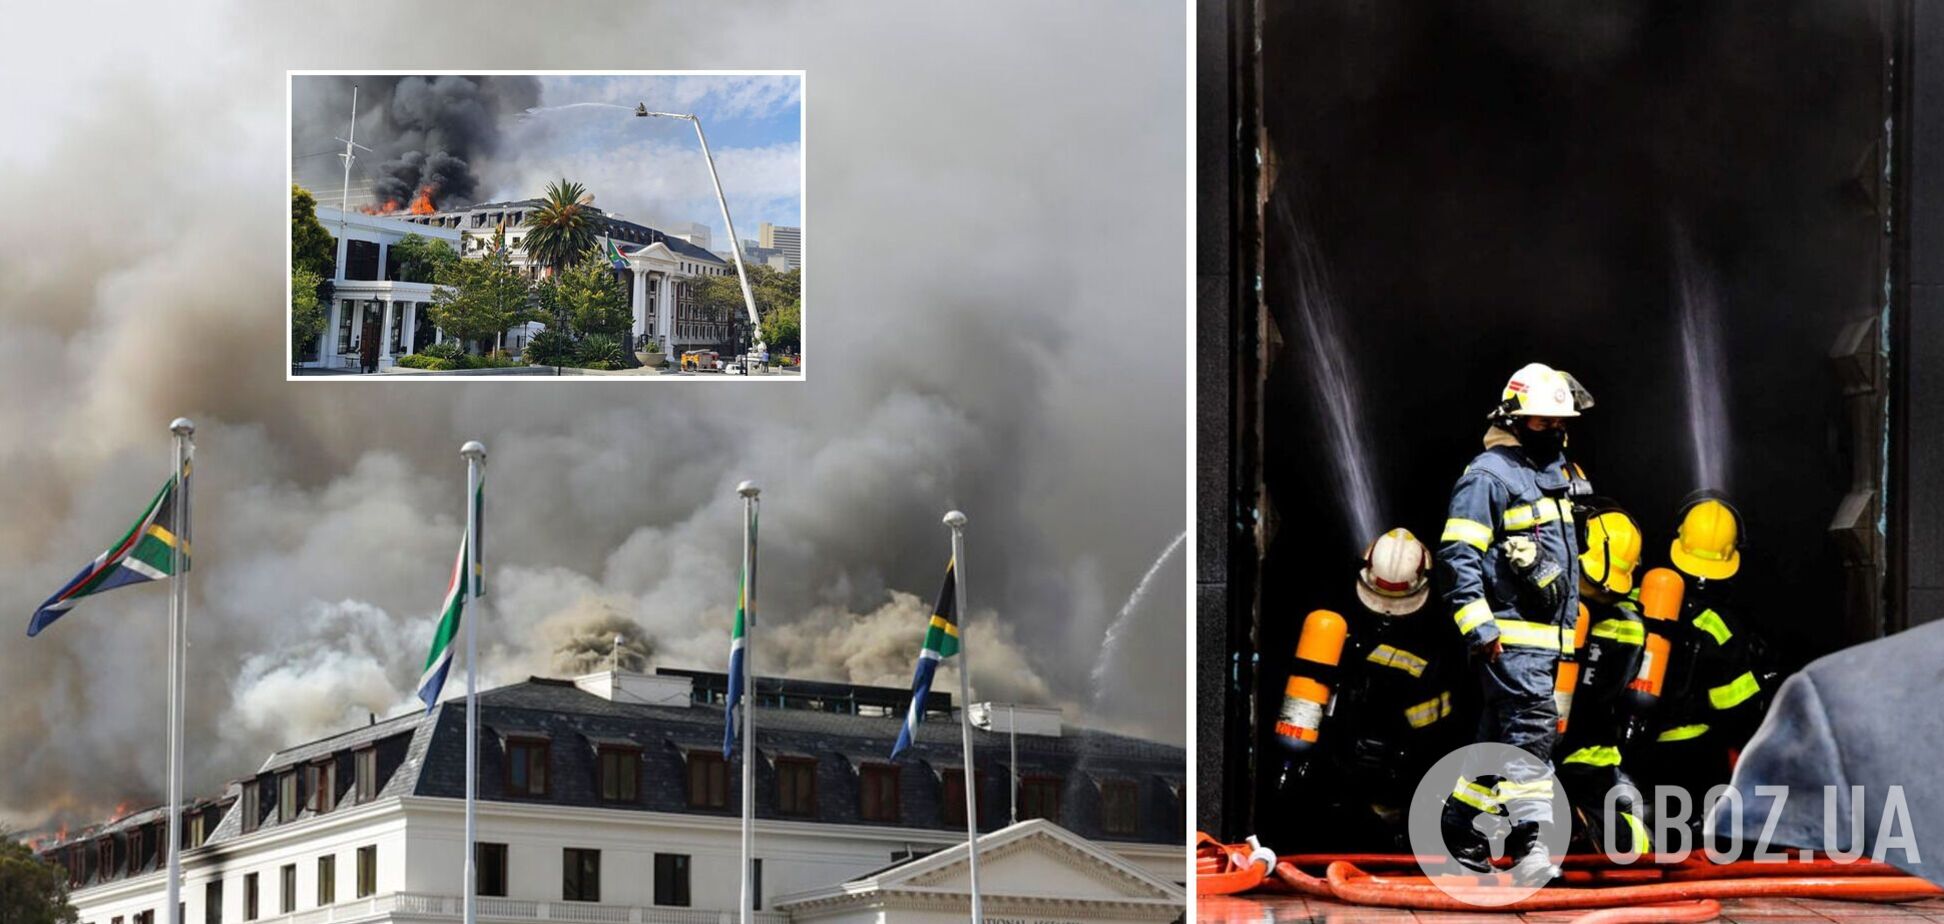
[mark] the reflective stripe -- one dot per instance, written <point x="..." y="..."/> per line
<point x="1624" y="631"/>
<point x="1710" y="622"/>
<point x="1429" y="711"/>
<point x="1474" y="795"/>
<point x="1641" y="842"/>
<point x="1734" y="692"/>
<point x="1683" y="732"/>
<point x="1470" y="532"/>
<point x="1523" y="634"/>
<point x="1472" y="615"/>
<point x="1508" y="790"/>
<point x="1398" y="658"/>
<point x="1595" y="756"/>
<point x="1545" y="510"/>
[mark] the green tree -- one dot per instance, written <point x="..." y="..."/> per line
<point x="32" y="890"/>
<point x="783" y="329"/>
<point x="588" y="299"/>
<point x="720" y="298"/>
<point x="306" y="310"/>
<point x="311" y="246"/>
<point x="420" y="259"/>
<point x="480" y="299"/>
<point x="561" y="230"/>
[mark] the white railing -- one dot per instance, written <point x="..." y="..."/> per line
<point x="512" y="909"/>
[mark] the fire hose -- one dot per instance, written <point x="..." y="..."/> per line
<point x="1655" y="890"/>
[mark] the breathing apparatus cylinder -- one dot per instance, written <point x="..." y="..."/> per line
<point x="1660" y="602"/>
<point x="1566" y="682"/>
<point x="1306" y="696"/>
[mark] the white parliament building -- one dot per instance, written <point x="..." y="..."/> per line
<point x="606" y="800"/>
<point x="371" y="301"/>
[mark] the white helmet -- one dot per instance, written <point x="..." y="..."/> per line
<point x="1395" y="579"/>
<point x="1539" y="390"/>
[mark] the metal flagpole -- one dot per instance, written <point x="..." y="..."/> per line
<point x="956" y="521"/>
<point x="475" y="453"/>
<point x="185" y="431"/>
<point x="1012" y="743"/>
<point x="749" y="492"/>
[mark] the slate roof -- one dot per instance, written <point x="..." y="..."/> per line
<point x="424" y="755"/>
<point x="650" y="235"/>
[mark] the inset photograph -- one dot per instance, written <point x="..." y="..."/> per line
<point x="546" y="224"/>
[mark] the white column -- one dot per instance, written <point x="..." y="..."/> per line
<point x="385" y="336"/>
<point x="384" y="250"/>
<point x="640" y="302"/>
<point x="411" y="326"/>
<point x="327" y="348"/>
<point x="337" y="270"/>
<point x="665" y="301"/>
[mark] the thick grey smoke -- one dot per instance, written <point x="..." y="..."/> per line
<point x="427" y="133"/>
<point x="994" y="314"/>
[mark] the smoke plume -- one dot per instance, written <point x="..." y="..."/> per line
<point x="978" y="337"/>
<point x="428" y="133"/>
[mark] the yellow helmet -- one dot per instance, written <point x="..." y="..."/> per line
<point x="1612" y="551"/>
<point x="1539" y="390"/>
<point x="1706" y="546"/>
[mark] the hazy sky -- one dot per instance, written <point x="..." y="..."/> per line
<point x="997" y="307"/>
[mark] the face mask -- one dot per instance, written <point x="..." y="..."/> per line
<point x="1543" y="445"/>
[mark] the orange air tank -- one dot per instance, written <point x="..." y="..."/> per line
<point x="1660" y="600"/>
<point x="1307" y="694"/>
<point x="1566" y="682"/>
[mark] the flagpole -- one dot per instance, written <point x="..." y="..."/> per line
<point x="475" y="454"/>
<point x="749" y="492"/>
<point x="185" y="431"/>
<point x="956" y="520"/>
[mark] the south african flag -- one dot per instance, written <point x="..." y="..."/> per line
<point x="145" y="553"/>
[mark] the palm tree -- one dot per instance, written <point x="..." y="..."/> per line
<point x="561" y="230"/>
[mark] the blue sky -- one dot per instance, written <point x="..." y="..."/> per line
<point x="651" y="170"/>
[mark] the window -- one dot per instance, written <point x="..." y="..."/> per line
<point x="326" y="881"/>
<point x="367" y="870"/>
<point x="672" y="879"/>
<point x="144" y="917"/>
<point x="213" y="902"/>
<point x="194" y="825"/>
<point x="287" y="900"/>
<point x="756" y="883"/>
<point x="287" y="796"/>
<point x="581" y="879"/>
<point x="134" y="851"/>
<point x="249" y="896"/>
<point x="878" y="792"/>
<point x="526" y="767"/>
<point x="796" y="786"/>
<point x="321" y="780"/>
<point x="708" y="780"/>
<point x="1039" y="797"/>
<point x="620" y="770"/>
<point x="490" y="860"/>
<point x="248" y="806"/>
<point x="345" y="317"/>
<point x="951" y="797"/>
<point x="1120" y="811"/>
<point x="106" y="861"/>
<point x="364" y="770"/>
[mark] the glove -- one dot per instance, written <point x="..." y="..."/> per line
<point x="1541" y="575"/>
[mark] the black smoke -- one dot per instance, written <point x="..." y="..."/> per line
<point x="427" y="132"/>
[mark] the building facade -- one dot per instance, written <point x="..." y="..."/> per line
<point x="606" y="799"/>
<point x="369" y="301"/>
<point x="788" y="241"/>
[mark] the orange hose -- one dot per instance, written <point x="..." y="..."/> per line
<point x="1694" y="912"/>
<point x="1355" y="886"/>
<point x="1221" y="869"/>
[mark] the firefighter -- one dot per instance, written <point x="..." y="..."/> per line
<point x="1392" y="715"/>
<point x="1509" y="567"/>
<point x="1590" y="753"/>
<point x="1718" y="676"/>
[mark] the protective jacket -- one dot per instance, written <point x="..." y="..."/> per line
<point x="1504" y="493"/>
<point x="1717" y="682"/>
<point x="1589" y="755"/>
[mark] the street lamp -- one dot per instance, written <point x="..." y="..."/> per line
<point x="735" y="243"/>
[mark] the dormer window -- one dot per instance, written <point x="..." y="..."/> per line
<point x="364" y="768"/>
<point x="526" y="766"/>
<point x="877" y="792"/>
<point x="194" y="824"/>
<point x="134" y="850"/>
<point x="619" y="769"/>
<point x="708" y="779"/>
<point x="287" y="802"/>
<point x="796" y="786"/>
<point x="321" y="780"/>
<point x="248" y="805"/>
<point x="1120" y="811"/>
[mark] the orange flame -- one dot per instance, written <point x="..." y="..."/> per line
<point x="121" y="811"/>
<point x="61" y="833"/>
<point x="422" y="203"/>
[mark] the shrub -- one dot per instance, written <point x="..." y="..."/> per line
<point x="550" y="348"/>
<point x="601" y="351"/>
<point x="422" y="361"/>
<point x="444" y="349"/>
